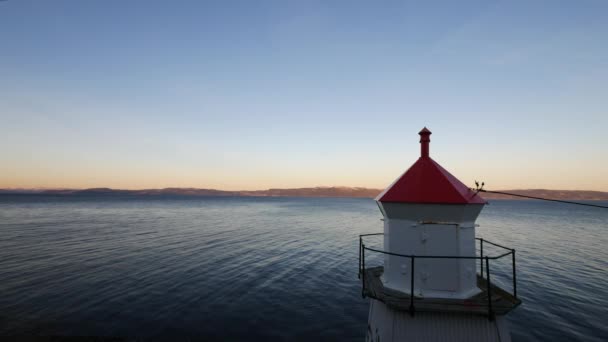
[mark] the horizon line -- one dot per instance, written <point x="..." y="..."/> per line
<point x="241" y="190"/>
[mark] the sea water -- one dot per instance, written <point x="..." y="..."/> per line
<point x="230" y="268"/>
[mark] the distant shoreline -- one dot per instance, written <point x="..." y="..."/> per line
<point x="350" y="192"/>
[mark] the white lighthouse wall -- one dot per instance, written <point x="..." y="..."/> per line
<point x="388" y="325"/>
<point x="401" y="237"/>
<point x="459" y="213"/>
<point x="468" y="271"/>
<point x="409" y="230"/>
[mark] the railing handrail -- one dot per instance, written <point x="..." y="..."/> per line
<point x="477" y="238"/>
<point x="362" y="235"/>
<point x="484" y="259"/>
<point x="437" y="256"/>
<point x="493" y="243"/>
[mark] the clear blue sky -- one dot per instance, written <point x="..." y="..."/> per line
<point x="259" y="94"/>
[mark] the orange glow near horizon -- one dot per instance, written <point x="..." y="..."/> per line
<point x="154" y="177"/>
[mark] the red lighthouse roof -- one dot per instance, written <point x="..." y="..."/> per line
<point x="428" y="182"/>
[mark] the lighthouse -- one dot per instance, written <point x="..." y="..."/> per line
<point x="435" y="281"/>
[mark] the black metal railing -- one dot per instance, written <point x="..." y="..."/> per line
<point x="483" y="260"/>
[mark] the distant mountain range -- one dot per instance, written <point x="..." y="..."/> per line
<point x="339" y="191"/>
<point x="298" y="192"/>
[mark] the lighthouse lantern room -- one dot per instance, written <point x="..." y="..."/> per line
<point x="430" y="258"/>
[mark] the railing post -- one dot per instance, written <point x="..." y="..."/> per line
<point x="412" y="258"/>
<point x="363" y="272"/>
<point x="360" y="242"/>
<point x="481" y="254"/>
<point x="514" y="275"/>
<point x="490" y="311"/>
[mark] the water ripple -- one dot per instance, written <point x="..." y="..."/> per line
<point x="263" y="268"/>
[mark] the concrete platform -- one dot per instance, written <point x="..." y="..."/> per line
<point x="502" y="301"/>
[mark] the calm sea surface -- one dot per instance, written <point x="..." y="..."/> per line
<point x="264" y="268"/>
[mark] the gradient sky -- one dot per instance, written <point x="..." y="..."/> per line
<point x="260" y="94"/>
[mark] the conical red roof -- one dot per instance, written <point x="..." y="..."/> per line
<point x="427" y="182"/>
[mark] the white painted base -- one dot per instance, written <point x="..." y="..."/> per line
<point x="385" y="324"/>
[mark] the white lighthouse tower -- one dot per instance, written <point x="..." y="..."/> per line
<point x="428" y="288"/>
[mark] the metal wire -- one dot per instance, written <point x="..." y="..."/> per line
<point x="542" y="199"/>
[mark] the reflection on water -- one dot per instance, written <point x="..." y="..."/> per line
<point x="273" y="268"/>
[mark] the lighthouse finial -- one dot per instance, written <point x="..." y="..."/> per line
<point x="425" y="139"/>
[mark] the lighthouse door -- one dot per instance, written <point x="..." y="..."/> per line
<point x="440" y="274"/>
